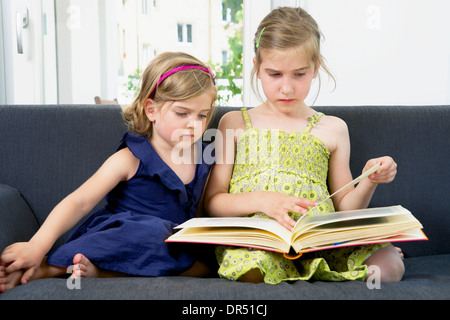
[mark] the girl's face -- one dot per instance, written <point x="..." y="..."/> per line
<point x="286" y="77"/>
<point x="179" y="123"/>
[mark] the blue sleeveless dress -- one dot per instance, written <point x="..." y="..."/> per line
<point x="128" y="235"/>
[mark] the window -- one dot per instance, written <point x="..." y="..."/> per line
<point x="122" y="36"/>
<point x="226" y="13"/>
<point x="145" y="7"/>
<point x="180" y="32"/>
<point x="189" y="33"/>
<point x="375" y="49"/>
<point x="184" y="32"/>
<point x="224" y="57"/>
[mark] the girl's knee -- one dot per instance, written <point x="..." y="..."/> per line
<point x="393" y="271"/>
<point x="388" y="262"/>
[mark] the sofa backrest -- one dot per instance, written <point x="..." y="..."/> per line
<point x="46" y="152"/>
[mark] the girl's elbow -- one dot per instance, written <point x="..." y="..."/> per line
<point x="210" y="208"/>
<point x="213" y="205"/>
<point x="208" y="203"/>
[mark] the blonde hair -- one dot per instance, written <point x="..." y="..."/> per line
<point x="182" y="85"/>
<point x="289" y="28"/>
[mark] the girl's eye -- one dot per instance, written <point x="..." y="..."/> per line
<point x="203" y="116"/>
<point x="181" y="114"/>
<point x="274" y="74"/>
<point x="299" y="74"/>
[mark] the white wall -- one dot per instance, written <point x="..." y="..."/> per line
<point x="390" y="52"/>
<point x="254" y="12"/>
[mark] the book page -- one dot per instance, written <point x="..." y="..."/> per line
<point x="270" y="225"/>
<point x="235" y="236"/>
<point x="332" y="217"/>
<point x="412" y="235"/>
<point x="375" y="224"/>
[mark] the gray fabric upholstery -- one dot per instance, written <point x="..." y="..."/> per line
<point x="48" y="151"/>
<point x="18" y="223"/>
<point x="417" y="139"/>
<point x="418" y="283"/>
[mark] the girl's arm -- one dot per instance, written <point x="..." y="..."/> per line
<point x="339" y="174"/>
<point x="218" y="202"/>
<point x="119" y="167"/>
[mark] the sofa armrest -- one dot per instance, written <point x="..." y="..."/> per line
<point x="17" y="221"/>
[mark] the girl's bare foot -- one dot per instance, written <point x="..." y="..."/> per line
<point x="10" y="280"/>
<point x="83" y="268"/>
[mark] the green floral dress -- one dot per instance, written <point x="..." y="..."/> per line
<point x="296" y="164"/>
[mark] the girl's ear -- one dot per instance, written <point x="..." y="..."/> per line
<point x="150" y="111"/>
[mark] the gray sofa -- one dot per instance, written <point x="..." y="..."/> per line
<point x="48" y="151"/>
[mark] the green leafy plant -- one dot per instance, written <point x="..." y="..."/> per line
<point x="132" y="88"/>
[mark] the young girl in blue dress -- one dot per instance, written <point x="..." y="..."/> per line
<point x="285" y="158"/>
<point x="152" y="183"/>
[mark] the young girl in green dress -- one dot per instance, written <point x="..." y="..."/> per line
<point x="284" y="157"/>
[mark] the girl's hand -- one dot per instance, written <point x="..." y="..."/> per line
<point x="387" y="171"/>
<point x="22" y="255"/>
<point x="277" y="205"/>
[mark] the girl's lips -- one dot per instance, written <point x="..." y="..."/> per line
<point x="286" y="100"/>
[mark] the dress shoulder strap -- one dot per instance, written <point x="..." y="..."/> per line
<point x="313" y="120"/>
<point x="248" y="123"/>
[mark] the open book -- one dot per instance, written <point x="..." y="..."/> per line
<point x="311" y="233"/>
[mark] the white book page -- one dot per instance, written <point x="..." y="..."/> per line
<point x="270" y="225"/>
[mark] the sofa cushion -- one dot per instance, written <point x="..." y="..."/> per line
<point x="425" y="279"/>
<point x="17" y="220"/>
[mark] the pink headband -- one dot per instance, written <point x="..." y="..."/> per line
<point x="171" y="72"/>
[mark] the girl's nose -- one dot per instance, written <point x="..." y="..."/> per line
<point x="191" y="123"/>
<point x="286" y="87"/>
